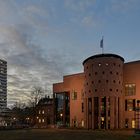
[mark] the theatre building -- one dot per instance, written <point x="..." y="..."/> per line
<point x="104" y="96"/>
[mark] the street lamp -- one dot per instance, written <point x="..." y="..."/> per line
<point x="61" y="116"/>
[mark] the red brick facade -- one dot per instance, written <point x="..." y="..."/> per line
<point x="104" y="96"/>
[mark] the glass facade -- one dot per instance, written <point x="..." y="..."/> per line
<point x="62" y="108"/>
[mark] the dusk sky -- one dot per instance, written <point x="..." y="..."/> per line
<point x="42" y="40"/>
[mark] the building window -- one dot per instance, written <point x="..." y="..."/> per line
<point x="103" y="72"/>
<point x="82" y="94"/>
<point x="95" y="73"/>
<point x="43" y="112"/>
<point x="126" y="123"/>
<point x="39" y="112"/>
<point x="39" y="120"/>
<point x="89" y="74"/>
<point x="106" y="64"/>
<point x="82" y="107"/>
<point x="43" y="120"/>
<point x="82" y="123"/>
<point x="74" y="95"/>
<point x="130" y="89"/>
<point x="133" y="123"/>
<point x="99" y="64"/>
<point x="108" y="124"/>
<point x="130" y="105"/>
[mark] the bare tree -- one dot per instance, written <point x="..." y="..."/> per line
<point x="36" y="95"/>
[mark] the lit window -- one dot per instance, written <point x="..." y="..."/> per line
<point x="130" y="105"/>
<point x="106" y="64"/>
<point x="74" y="95"/>
<point x="99" y="64"/>
<point x="133" y="123"/>
<point x="43" y="120"/>
<point x="42" y="111"/>
<point x="82" y="123"/>
<point x="130" y="89"/>
<point x="39" y="120"/>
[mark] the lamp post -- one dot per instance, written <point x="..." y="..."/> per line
<point x="61" y="116"/>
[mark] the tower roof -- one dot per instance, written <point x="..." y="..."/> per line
<point x="103" y="55"/>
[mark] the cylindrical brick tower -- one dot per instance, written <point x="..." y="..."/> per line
<point x="103" y="91"/>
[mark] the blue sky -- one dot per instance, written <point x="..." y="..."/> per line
<point x="42" y="40"/>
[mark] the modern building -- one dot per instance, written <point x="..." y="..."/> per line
<point x="68" y="97"/>
<point x="3" y="85"/>
<point x="104" y="96"/>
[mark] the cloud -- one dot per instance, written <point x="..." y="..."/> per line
<point x="27" y="66"/>
<point x="83" y="12"/>
<point x="23" y="28"/>
<point x="122" y="6"/>
<point x="88" y="21"/>
<point x="79" y="5"/>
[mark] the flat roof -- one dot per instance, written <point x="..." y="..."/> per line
<point x="133" y="62"/>
<point x="103" y="55"/>
<point x="1" y="60"/>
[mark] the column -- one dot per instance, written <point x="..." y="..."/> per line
<point x="93" y="113"/>
<point x="99" y="118"/>
<point x="106" y="113"/>
<point x="112" y="112"/>
<point x="86" y="114"/>
<point x="121" y="113"/>
<point x="116" y="106"/>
